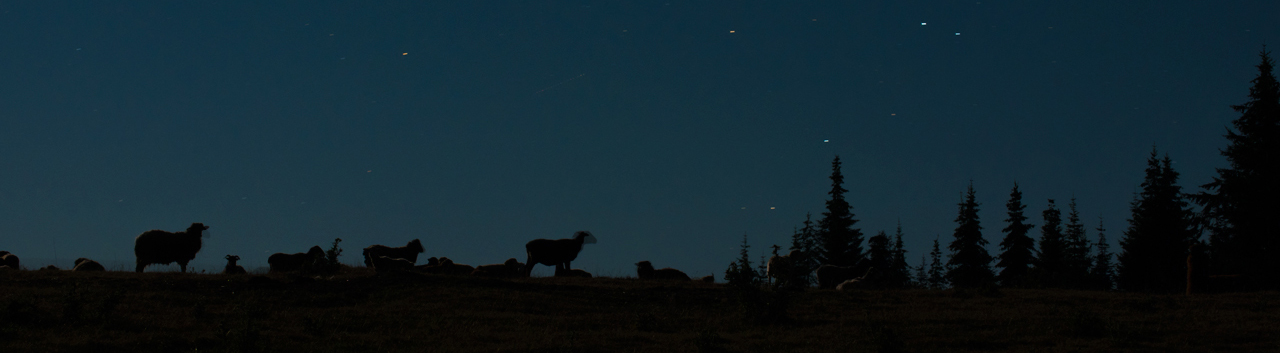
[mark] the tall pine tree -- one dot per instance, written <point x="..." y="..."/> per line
<point x="805" y="242"/>
<point x="1153" y="252"/>
<point x="841" y="243"/>
<point x="1101" y="275"/>
<point x="1017" y="250"/>
<point x="1076" y="254"/>
<point x="1053" y="248"/>
<point x="970" y="265"/>
<point x="1241" y="204"/>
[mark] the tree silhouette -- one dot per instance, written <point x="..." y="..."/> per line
<point x="1153" y="252"/>
<point x="1101" y="275"/>
<point x="1242" y="202"/>
<point x="740" y="273"/>
<point x="899" y="273"/>
<point x="937" y="273"/>
<point x="970" y="265"/>
<point x="805" y="240"/>
<point x="1076" y="255"/>
<point x="841" y="243"/>
<point x="1050" y="265"/>
<point x="880" y="254"/>
<point x="1017" y="249"/>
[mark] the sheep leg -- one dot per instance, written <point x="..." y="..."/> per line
<point x="184" y="266"/>
<point x="141" y="266"/>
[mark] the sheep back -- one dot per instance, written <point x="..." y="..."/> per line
<point x="645" y="270"/>
<point x="830" y="276"/>
<point x="161" y="247"/>
<point x="510" y="268"/>
<point x="87" y="265"/>
<point x="384" y="264"/>
<point x="572" y="273"/>
<point x="281" y="262"/>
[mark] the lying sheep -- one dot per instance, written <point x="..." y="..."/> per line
<point x="708" y="279"/>
<point x="447" y="267"/>
<point x="856" y="283"/>
<point x="281" y="262"/>
<point x="829" y="276"/>
<point x="232" y="268"/>
<point x="387" y="264"/>
<point x="558" y="252"/>
<point x="408" y="252"/>
<point x="161" y="247"/>
<point x="87" y="265"/>
<point x="510" y="268"/>
<point x="645" y="270"/>
<point x="572" y="273"/>
<point x="9" y="259"/>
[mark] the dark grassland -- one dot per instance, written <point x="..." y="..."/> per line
<point x="360" y="311"/>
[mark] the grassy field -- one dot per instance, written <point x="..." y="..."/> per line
<point x="360" y="311"/>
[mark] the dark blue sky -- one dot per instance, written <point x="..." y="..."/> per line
<point x="667" y="129"/>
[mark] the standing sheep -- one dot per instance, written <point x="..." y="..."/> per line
<point x="87" y="265"/>
<point x="9" y="259"/>
<point x="161" y="247"/>
<point x="645" y="270"/>
<point x="408" y="252"/>
<point x="510" y="268"/>
<point x="281" y="262"/>
<point x="558" y="252"/>
<point x="232" y="268"/>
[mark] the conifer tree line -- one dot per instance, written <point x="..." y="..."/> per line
<point x="1238" y="212"/>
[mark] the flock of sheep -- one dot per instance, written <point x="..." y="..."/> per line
<point x="163" y="247"/>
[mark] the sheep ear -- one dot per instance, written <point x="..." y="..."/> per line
<point x="590" y="239"/>
<point x="205" y="234"/>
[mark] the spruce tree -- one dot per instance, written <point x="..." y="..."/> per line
<point x="899" y="274"/>
<point x="1242" y="202"/>
<point x="841" y="243"/>
<point x="970" y="265"/>
<point x="804" y="243"/>
<point x="1017" y="249"/>
<point x="1051" y="262"/>
<point x="937" y="273"/>
<point x="880" y="254"/>
<point x="1076" y="254"/>
<point x="1101" y="274"/>
<point x="1153" y="252"/>
<point x="740" y="273"/>
<point x="921" y="279"/>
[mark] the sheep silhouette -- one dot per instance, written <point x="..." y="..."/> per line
<point x="558" y="252"/>
<point x="645" y="270"/>
<point x="232" y="268"/>
<point x="281" y="262"/>
<point x="87" y="265"/>
<point x="10" y="260"/>
<point x="161" y="247"/>
<point x="408" y="252"/>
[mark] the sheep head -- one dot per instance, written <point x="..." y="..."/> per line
<point x="586" y="236"/>
<point x="644" y="265"/>
<point x="198" y="229"/>
<point x="232" y="258"/>
<point x="416" y="245"/>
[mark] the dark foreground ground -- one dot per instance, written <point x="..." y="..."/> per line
<point x="359" y="311"/>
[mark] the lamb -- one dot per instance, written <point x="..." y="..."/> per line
<point x="87" y="265"/>
<point x="9" y="259"/>
<point x="387" y="264"/>
<point x="572" y="273"/>
<point x="408" y="252"/>
<point x="510" y="268"/>
<point x="856" y="283"/>
<point x="558" y="252"/>
<point x="232" y="268"/>
<point x="829" y="276"/>
<point x="281" y="262"/>
<point x="161" y="247"/>
<point x="645" y="270"/>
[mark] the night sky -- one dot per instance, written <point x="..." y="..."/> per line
<point x="669" y="130"/>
